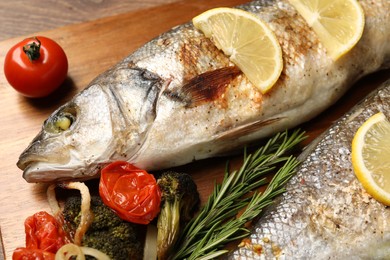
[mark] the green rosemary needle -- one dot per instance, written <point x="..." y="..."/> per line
<point x="218" y="223"/>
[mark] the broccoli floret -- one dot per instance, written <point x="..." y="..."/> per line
<point x="104" y="217"/>
<point x="107" y="233"/>
<point x="180" y="201"/>
<point x="118" y="242"/>
<point x="71" y="211"/>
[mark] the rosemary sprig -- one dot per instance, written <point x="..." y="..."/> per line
<point x="217" y="223"/>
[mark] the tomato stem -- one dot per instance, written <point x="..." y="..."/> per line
<point x="32" y="50"/>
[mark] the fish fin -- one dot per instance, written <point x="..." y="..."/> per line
<point x="246" y="129"/>
<point x="207" y="86"/>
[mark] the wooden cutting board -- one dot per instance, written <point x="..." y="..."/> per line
<point x="92" y="48"/>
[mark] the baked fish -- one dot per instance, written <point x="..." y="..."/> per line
<point x="325" y="212"/>
<point x="178" y="98"/>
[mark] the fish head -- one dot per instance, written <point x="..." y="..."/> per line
<point x="72" y="141"/>
<point x="107" y="121"/>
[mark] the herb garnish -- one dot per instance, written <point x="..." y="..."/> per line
<point x="217" y="224"/>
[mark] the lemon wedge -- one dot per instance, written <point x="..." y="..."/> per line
<point x="338" y="24"/>
<point x="371" y="157"/>
<point x="248" y="42"/>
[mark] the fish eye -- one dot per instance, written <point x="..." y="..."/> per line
<point x="64" y="121"/>
<point x="61" y="121"/>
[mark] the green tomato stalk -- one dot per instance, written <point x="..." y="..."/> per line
<point x="32" y="50"/>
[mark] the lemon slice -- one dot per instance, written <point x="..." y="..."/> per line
<point x="247" y="41"/>
<point x="371" y="157"/>
<point x="338" y="24"/>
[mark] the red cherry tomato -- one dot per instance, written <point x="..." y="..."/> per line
<point x="32" y="254"/>
<point x="35" y="67"/>
<point x="44" y="236"/>
<point x="131" y="192"/>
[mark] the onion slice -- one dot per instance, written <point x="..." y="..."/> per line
<point x="86" y="213"/>
<point x="73" y="251"/>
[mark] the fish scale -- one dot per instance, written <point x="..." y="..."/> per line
<point x="325" y="212"/>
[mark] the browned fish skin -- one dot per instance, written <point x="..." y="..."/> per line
<point x="325" y="213"/>
<point x="178" y="98"/>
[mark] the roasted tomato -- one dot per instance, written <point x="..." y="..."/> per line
<point x="44" y="236"/>
<point x="131" y="192"/>
<point x="36" y="66"/>
<point x="32" y="254"/>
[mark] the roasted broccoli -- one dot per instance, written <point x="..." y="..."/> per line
<point x="180" y="200"/>
<point x="107" y="233"/>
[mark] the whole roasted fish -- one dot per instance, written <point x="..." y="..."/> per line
<point x="325" y="212"/>
<point x="178" y="98"/>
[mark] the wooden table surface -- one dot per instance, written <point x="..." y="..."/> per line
<point x="80" y="27"/>
<point x="21" y="17"/>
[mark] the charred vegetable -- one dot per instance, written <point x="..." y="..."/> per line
<point x="107" y="233"/>
<point x="131" y="192"/>
<point x="180" y="200"/>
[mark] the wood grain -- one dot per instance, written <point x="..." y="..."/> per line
<point x="93" y="47"/>
<point x="21" y="17"/>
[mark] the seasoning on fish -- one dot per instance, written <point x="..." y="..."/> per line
<point x="325" y="212"/>
<point x="179" y="98"/>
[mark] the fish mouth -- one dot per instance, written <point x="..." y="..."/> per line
<point x="42" y="172"/>
<point x="36" y="159"/>
<point x="26" y="160"/>
<point x="51" y="167"/>
<point x="29" y="158"/>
